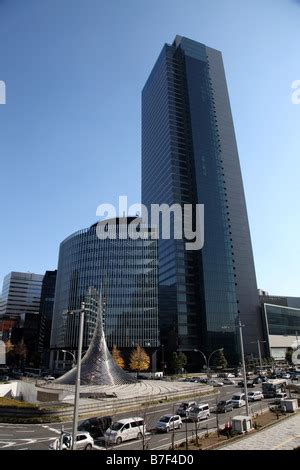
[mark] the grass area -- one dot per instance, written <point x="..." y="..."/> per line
<point x="41" y="413"/>
<point x="35" y="420"/>
<point x="12" y="403"/>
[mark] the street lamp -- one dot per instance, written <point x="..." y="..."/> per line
<point x="209" y="357"/>
<point x="77" y="384"/>
<point x="259" y="351"/>
<point x="163" y="358"/>
<point x="73" y="356"/>
<point x="244" y="366"/>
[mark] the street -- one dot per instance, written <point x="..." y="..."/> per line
<point x="39" y="436"/>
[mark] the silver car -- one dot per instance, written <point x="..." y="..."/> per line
<point x="255" y="396"/>
<point x="168" y="423"/>
<point x="84" y="441"/>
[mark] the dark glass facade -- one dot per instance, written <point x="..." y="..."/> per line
<point x="124" y="272"/>
<point x="45" y="317"/>
<point x="189" y="156"/>
<point x="282" y="320"/>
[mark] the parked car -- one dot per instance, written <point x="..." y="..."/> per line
<point x="169" y="422"/>
<point x="255" y="396"/>
<point x="96" y="426"/>
<point x="295" y="377"/>
<point x="286" y="376"/>
<point x="49" y="378"/>
<point x="228" y="382"/>
<point x="257" y="380"/>
<point x="4" y="378"/>
<point x="185" y="407"/>
<point x="279" y="397"/>
<point x="124" y="430"/>
<point x="17" y="373"/>
<point x="198" y="412"/>
<point x="224" y="405"/>
<point x="238" y="400"/>
<point x="250" y="383"/>
<point x="215" y="383"/>
<point x="84" y="441"/>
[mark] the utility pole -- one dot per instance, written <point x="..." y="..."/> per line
<point x="258" y="341"/>
<point x="186" y="435"/>
<point x="244" y="367"/>
<point x="61" y="437"/>
<point x="77" y="385"/>
<point x="173" y="431"/>
<point x="217" y="419"/>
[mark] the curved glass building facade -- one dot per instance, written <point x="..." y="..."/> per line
<point x="123" y="271"/>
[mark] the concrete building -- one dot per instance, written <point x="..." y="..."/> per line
<point x="281" y="317"/>
<point x="21" y="295"/>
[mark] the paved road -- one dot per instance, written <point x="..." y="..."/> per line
<point x="39" y="436"/>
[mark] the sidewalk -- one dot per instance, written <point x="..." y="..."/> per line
<point x="281" y="436"/>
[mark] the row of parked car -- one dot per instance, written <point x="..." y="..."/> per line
<point x="116" y="432"/>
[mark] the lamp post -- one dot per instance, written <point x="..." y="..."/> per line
<point x="259" y="351"/>
<point x="73" y="355"/>
<point x="77" y="384"/>
<point x="244" y="366"/>
<point x="209" y="357"/>
<point x="163" y="358"/>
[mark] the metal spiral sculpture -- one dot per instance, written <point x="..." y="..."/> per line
<point x="97" y="365"/>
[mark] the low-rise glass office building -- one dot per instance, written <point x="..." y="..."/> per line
<point x="282" y="324"/>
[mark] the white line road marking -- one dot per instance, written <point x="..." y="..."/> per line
<point x="6" y="444"/>
<point x="157" y="411"/>
<point x="128" y="443"/>
<point x="25" y="431"/>
<point x="52" y="429"/>
<point x="4" y="425"/>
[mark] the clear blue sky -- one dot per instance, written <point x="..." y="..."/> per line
<point x="70" y="131"/>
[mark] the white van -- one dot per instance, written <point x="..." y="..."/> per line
<point x="238" y="400"/>
<point x="125" y="429"/>
<point x="198" y="412"/>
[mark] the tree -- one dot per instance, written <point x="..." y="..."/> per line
<point x="288" y="355"/>
<point x="178" y="361"/>
<point x="182" y="360"/>
<point x="220" y="360"/>
<point x="9" y="352"/>
<point x="21" y="351"/>
<point x="9" y="347"/>
<point x="139" y="359"/>
<point x="116" y="355"/>
<point x="174" y="362"/>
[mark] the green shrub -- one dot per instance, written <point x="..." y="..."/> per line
<point x="12" y="403"/>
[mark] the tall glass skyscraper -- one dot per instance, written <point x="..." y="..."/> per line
<point x="46" y="314"/>
<point x="190" y="156"/>
<point x="123" y="271"/>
